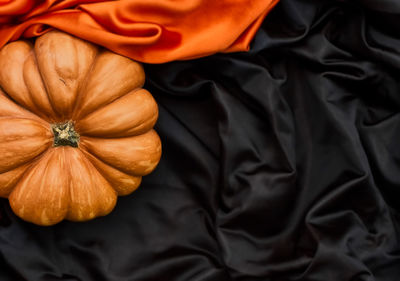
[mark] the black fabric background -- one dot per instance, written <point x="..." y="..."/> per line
<point x="278" y="164"/>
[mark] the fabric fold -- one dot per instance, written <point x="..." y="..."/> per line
<point x="146" y="31"/>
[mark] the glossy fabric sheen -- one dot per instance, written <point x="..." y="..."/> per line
<point x="281" y="164"/>
<point x="152" y="31"/>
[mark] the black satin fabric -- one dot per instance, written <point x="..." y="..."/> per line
<point x="279" y="164"/>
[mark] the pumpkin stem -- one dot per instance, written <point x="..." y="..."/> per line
<point x="65" y="134"/>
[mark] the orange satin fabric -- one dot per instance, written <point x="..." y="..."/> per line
<point x="152" y="31"/>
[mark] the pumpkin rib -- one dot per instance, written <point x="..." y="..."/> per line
<point x="25" y="113"/>
<point x="12" y="60"/>
<point x="81" y="87"/>
<point x="96" y="204"/>
<point x="29" y="165"/>
<point x="9" y="179"/>
<point x="63" y="67"/>
<point x="18" y="111"/>
<point x="114" y="152"/>
<point x="106" y="104"/>
<point x="44" y="124"/>
<point x="23" y="95"/>
<point x="6" y="95"/>
<point x="96" y="162"/>
<point x="33" y="162"/>
<point x="80" y="93"/>
<point x="36" y="203"/>
<point x="45" y="90"/>
<point x="16" y="148"/>
<point x="83" y="104"/>
<point x="85" y="148"/>
<point x="118" y="116"/>
<point x="87" y="153"/>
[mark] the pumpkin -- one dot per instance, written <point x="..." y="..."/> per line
<point x="76" y="128"/>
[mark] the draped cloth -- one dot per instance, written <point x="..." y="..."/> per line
<point x="152" y="31"/>
<point x="279" y="164"/>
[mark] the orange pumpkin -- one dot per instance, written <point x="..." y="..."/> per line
<point x="76" y="128"/>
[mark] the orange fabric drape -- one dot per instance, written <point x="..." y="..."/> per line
<point x="152" y="31"/>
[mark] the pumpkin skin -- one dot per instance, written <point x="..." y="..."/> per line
<point x="76" y="128"/>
